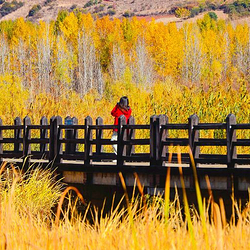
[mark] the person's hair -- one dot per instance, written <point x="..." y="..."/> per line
<point x="124" y="102"/>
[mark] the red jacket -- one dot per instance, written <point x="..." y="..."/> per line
<point x="117" y="112"/>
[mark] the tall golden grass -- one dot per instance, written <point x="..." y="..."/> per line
<point x="144" y="223"/>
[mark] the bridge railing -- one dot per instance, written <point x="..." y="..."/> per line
<point x="60" y="142"/>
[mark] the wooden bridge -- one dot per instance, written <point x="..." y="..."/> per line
<point x="59" y="143"/>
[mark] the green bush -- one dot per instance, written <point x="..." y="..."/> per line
<point x="213" y="15"/>
<point x="34" y="10"/>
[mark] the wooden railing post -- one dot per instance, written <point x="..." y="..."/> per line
<point x="51" y="139"/>
<point x="130" y="136"/>
<point x="162" y="135"/>
<point x="99" y="136"/>
<point x="26" y="136"/>
<point x="88" y="135"/>
<point x="68" y="134"/>
<point x="1" y="138"/>
<point x="75" y="135"/>
<point x="57" y="136"/>
<point x="122" y="136"/>
<point x="231" y="137"/>
<point x="193" y="135"/>
<point x="26" y="145"/>
<point x="17" y="135"/>
<point x="152" y="141"/>
<point x="43" y="134"/>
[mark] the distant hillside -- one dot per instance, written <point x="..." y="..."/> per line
<point x="47" y="10"/>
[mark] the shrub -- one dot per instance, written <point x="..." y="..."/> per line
<point x="127" y="14"/>
<point x="34" y="10"/>
<point x="2" y="1"/>
<point x="88" y="4"/>
<point x="111" y="12"/>
<point x="9" y="7"/>
<point x="74" y="6"/>
<point x="194" y="11"/>
<point x="35" y="193"/>
<point x="182" y="13"/>
<point x="213" y="15"/>
<point x="99" y="8"/>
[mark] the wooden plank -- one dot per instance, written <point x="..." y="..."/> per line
<point x="11" y="154"/>
<point x="176" y="142"/>
<point x="11" y="127"/>
<point x="211" y="142"/>
<point x="173" y="126"/>
<point x="241" y="126"/>
<point x="136" y="126"/>
<point x="103" y="142"/>
<point x="38" y="141"/>
<point x="212" y="160"/>
<point x="79" y="140"/>
<point x="74" y="126"/>
<point x="42" y="126"/>
<point x="205" y="126"/>
<point x="12" y="140"/>
<point x="137" y="142"/>
<point x="103" y="127"/>
<point x="241" y="161"/>
<point x="241" y="142"/>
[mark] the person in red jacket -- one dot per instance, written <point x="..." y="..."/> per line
<point x="121" y="108"/>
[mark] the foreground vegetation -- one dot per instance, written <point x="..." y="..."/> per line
<point x="27" y="220"/>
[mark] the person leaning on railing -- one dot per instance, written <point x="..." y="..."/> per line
<point x="121" y="108"/>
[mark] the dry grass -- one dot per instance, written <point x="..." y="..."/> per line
<point x="146" y="223"/>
